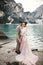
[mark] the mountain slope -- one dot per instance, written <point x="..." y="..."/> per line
<point x="11" y="9"/>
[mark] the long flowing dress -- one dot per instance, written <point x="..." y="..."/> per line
<point x="26" y="56"/>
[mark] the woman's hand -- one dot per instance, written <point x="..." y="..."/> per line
<point x="20" y="40"/>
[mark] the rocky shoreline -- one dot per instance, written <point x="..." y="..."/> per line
<point x="7" y="54"/>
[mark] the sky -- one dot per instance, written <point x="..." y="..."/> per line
<point x="30" y="5"/>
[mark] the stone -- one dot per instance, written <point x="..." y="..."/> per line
<point x="2" y="63"/>
<point x="3" y="36"/>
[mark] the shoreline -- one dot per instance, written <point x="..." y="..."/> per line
<point x="8" y="56"/>
<point x="12" y="41"/>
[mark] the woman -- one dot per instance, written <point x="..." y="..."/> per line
<point x="26" y="56"/>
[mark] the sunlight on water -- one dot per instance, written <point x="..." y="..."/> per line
<point x="35" y="33"/>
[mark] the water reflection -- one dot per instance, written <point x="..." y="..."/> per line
<point x="35" y="33"/>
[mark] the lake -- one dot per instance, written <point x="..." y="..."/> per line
<point x="35" y="33"/>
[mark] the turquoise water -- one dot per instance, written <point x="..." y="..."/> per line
<point x="9" y="30"/>
<point x="35" y="32"/>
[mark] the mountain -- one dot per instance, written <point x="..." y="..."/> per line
<point x="36" y="16"/>
<point x="38" y="12"/>
<point x="29" y="18"/>
<point x="11" y="11"/>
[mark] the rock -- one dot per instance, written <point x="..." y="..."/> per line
<point x="10" y="8"/>
<point x="8" y="63"/>
<point x="0" y="46"/>
<point x="1" y="14"/>
<point x="34" y="49"/>
<point x="15" y="63"/>
<point x="3" y="36"/>
<point x="12" y="12"/>
<point x="9" y="51"/>
<point x="35" y="17"/>
<point x="2" y="63"/>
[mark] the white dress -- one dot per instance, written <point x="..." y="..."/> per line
<point x="26" y="56"/>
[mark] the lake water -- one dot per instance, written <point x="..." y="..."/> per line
<point x="35" y="33"/>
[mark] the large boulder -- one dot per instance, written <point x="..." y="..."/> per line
<point x="3" y="36"/>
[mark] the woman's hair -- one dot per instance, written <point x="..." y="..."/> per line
<point x="25" y="23"/>
<point x="20" y="21"/>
